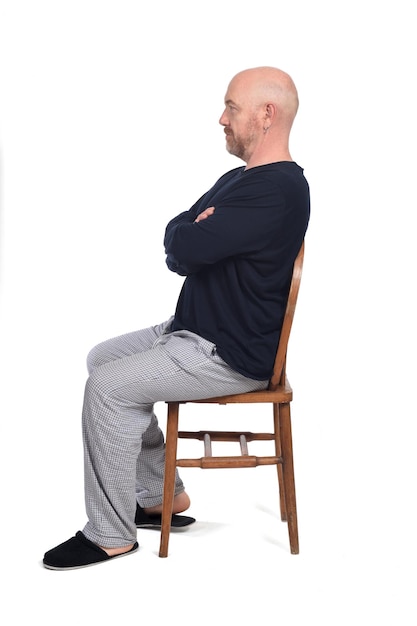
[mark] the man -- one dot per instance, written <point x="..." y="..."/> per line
<point x="236" y="246"/>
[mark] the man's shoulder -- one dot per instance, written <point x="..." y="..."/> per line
<point x="234" y="173"/>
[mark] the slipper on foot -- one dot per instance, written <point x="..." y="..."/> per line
<point x="143" y="520"/>
<point x="79" y="552"/>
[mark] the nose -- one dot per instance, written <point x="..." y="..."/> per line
<point x="223" y="119"/>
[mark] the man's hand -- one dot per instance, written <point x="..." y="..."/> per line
<point x="205" y="214"/>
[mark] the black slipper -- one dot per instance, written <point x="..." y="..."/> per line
<point x="78" y="552"/>
<point x="143" y="520"/>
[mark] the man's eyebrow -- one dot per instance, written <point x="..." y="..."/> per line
<point x="230" y="101"/>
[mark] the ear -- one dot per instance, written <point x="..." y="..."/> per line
<point x="270" y="111"/>
<point x="269" y="114"/>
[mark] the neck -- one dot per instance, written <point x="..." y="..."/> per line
<point x="272" y="146"/>
<point x="274" y="156"/>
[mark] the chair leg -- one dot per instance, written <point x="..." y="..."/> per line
<point x="278" y="452"/>
<point x="169" y="476"/>
<point x="288" y="472"/>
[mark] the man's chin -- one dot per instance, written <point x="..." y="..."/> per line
<point x="230" y="147"/>
<point x="231" y="150"/>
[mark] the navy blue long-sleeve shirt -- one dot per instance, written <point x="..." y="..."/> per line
<point x="238" y="262"/>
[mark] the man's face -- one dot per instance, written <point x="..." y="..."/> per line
<point x="242" y="124"/>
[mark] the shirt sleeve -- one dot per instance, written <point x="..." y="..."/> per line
<point x="186" y="217"/>
<point x="241" y="223"/>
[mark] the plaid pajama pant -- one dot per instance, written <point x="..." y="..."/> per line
<point x="124" y="448"/>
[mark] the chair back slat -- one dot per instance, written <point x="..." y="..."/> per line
<point x="278" y="376"/>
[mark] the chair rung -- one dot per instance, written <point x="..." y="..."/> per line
<point x="225" y="435"/>
<point x="225" y="462"/>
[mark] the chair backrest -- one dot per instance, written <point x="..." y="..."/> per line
<point x="278" y="375"/>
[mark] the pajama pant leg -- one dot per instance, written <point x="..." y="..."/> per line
<point x="151" y="460"/>
<point x="124" y="448"/>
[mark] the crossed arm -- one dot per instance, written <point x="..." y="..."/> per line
<point x="240" y="223"/>
<point x="181" y="267"/>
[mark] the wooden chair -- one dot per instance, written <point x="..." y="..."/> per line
<point x="279" y="394"/>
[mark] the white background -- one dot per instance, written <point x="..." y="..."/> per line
<point x="108" y="128"/>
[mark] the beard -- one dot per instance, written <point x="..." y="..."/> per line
<point x="240" y="145"/>
<point x="236" y="146"/>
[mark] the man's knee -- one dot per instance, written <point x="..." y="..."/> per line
<point x="95" y="358"/>
<point x="97" y="384"/>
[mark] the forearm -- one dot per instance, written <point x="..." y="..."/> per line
<point x="186" y="218"/>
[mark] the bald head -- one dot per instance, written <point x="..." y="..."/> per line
<point x="264" y="85"/>
<point x="260" y="106"/>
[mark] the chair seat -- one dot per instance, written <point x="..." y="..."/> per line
<point x="283" y="393"/>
